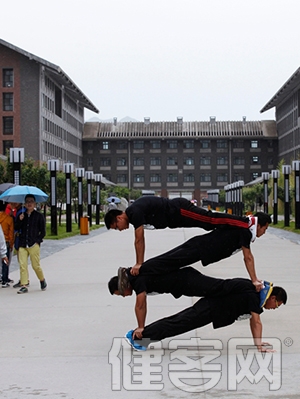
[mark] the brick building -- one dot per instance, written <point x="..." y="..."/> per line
<point x="41" y="108"/>
<point x="180" y="158"/>
<point x="287" y="108"/>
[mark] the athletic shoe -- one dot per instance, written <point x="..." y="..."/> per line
<point x="122" y="280"/>
<point x="22" y="290"/>
<point x="265" y="293"/>
<point x="4" y="285"/>
<point x="18" y="284"/>
<point x="132" y="343"/>
<point x="10" y="281"/>
<point x="43" y="285"/>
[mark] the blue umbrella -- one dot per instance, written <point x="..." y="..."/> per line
<point x="18" y="194"/>
<point x="114" y="199"/>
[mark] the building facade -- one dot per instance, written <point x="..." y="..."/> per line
<point x="180" y="158"/>
<point x="287" y="109"/>
<point x="41" y="108"/>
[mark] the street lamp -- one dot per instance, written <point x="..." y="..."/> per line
<point x="16" y="157"/>
<point x="98" y="178"/>
<point x="53" y="165"/>
<point x="79" y="173"/>
<point x="89" y="177"/>
<point x="68" y="169"/>
<point x="275" y="176"/>
<point x="265" y="176"/>
<point x="240" y="188"/>
<point x="286" y="170"/>
<point x="296" y="169"/>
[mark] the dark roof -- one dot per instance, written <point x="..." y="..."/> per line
<point x="284" y="91"/>
<point x="58" y="74"/>
<point x="173" y="129"/>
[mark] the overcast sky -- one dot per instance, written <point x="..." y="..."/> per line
<point x="165" y="58"/>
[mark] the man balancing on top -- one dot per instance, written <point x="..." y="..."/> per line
<point x="161" y="213"/>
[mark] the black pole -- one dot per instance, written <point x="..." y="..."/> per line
<point x="286" y="171"/>
<point x="80" y="206"/>
<point x="296" y="168"/>
<point x="265" y="176"/>
<point x="98" y="198"/>
<point x="68" y="203"/>
<point x="89" y="177"/>
<point x="53" y="199"/>
<point x="275" y="175"/>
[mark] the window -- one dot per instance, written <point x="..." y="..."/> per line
<point x="254" y="175"/>
<point x="8" y="125"/>
<point x="222" y="177"/>
<point x="254" y="144"/>
<point x="172" y="178"/>
<point x="255" y="160"/>
<point x="7" y="144"/>
<point x="205" y="177"/>
<point x="121" y="145"/>
<point x="155" y="144"/>
<point x="238" y="143"/>
<point x="105" y="162"/>
<point x="155" y="178"/>
<point x="107" y="177"/>
<point x="138" y="178"/>
<point x="89" y="162"/>
<point x="138" y="161"/>
<point x="90" y="145"/>
<point x="204" y="160"/>
<point x="8" y="77"/>
<point x="122" y="178"/>
<point x="189" y="177"/>
<point x="171" y="161"/>
<point x="121" y="162"/>
<point x="238" y="176"/>
<point x="105" y="145"/>
<point x="155" y="161"/>
<point x="222" y="161"/>
<point x="138" y="144"/>
<point x="270" y="143"/>
<point x="172" y="144"/>
<point x="221" y="143"/>
<point x="58" y="101"/>
<point x="270" y="160"/>
<point x="8" y="102"/>
<point x="238" y="161"/>
<point x="189" y="161"/>
<point x="188" y="144"/>
<point x="204" y="144"/>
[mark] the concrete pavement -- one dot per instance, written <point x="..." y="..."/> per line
<point x="67" y="342"/>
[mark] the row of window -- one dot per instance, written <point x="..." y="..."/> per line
<point x="188" y="161"/>
<point x="187" y="178"/>
<point x="173" y="144"/>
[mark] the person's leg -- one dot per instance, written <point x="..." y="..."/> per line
<point x="4" y="273"/>
<point x="194" y="216"/>
<point x="34" y="253"/>
<point x="189" y="319"/>
<point x="23" y="261"/>
<point x="183" y="255"/>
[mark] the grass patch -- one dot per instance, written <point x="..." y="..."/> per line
<point x="291" y="227"/>
<point x="61" y="231"/>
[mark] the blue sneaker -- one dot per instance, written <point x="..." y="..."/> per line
<point x="265" y="293"/>
<point x="134" y="345"/>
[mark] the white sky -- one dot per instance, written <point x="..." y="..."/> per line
<point x="165" y="58"/>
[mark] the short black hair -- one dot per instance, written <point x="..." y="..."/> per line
<point x="280" y="293"/>
<point x="263" y="218"/>
<point x="111" y="217"/>
<point x="30" y="196"/>
<point x="113" y="285"/>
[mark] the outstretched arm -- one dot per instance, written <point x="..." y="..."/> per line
<point x="141" y="309"/>
<point x="256" y="330"/>
<point x="139" y="244"/>
<point x="249" y="263"/>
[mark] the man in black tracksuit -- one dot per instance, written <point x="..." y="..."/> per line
<point x="161" y="213"/>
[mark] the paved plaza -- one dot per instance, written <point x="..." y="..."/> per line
<point x="66" y="342"/>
